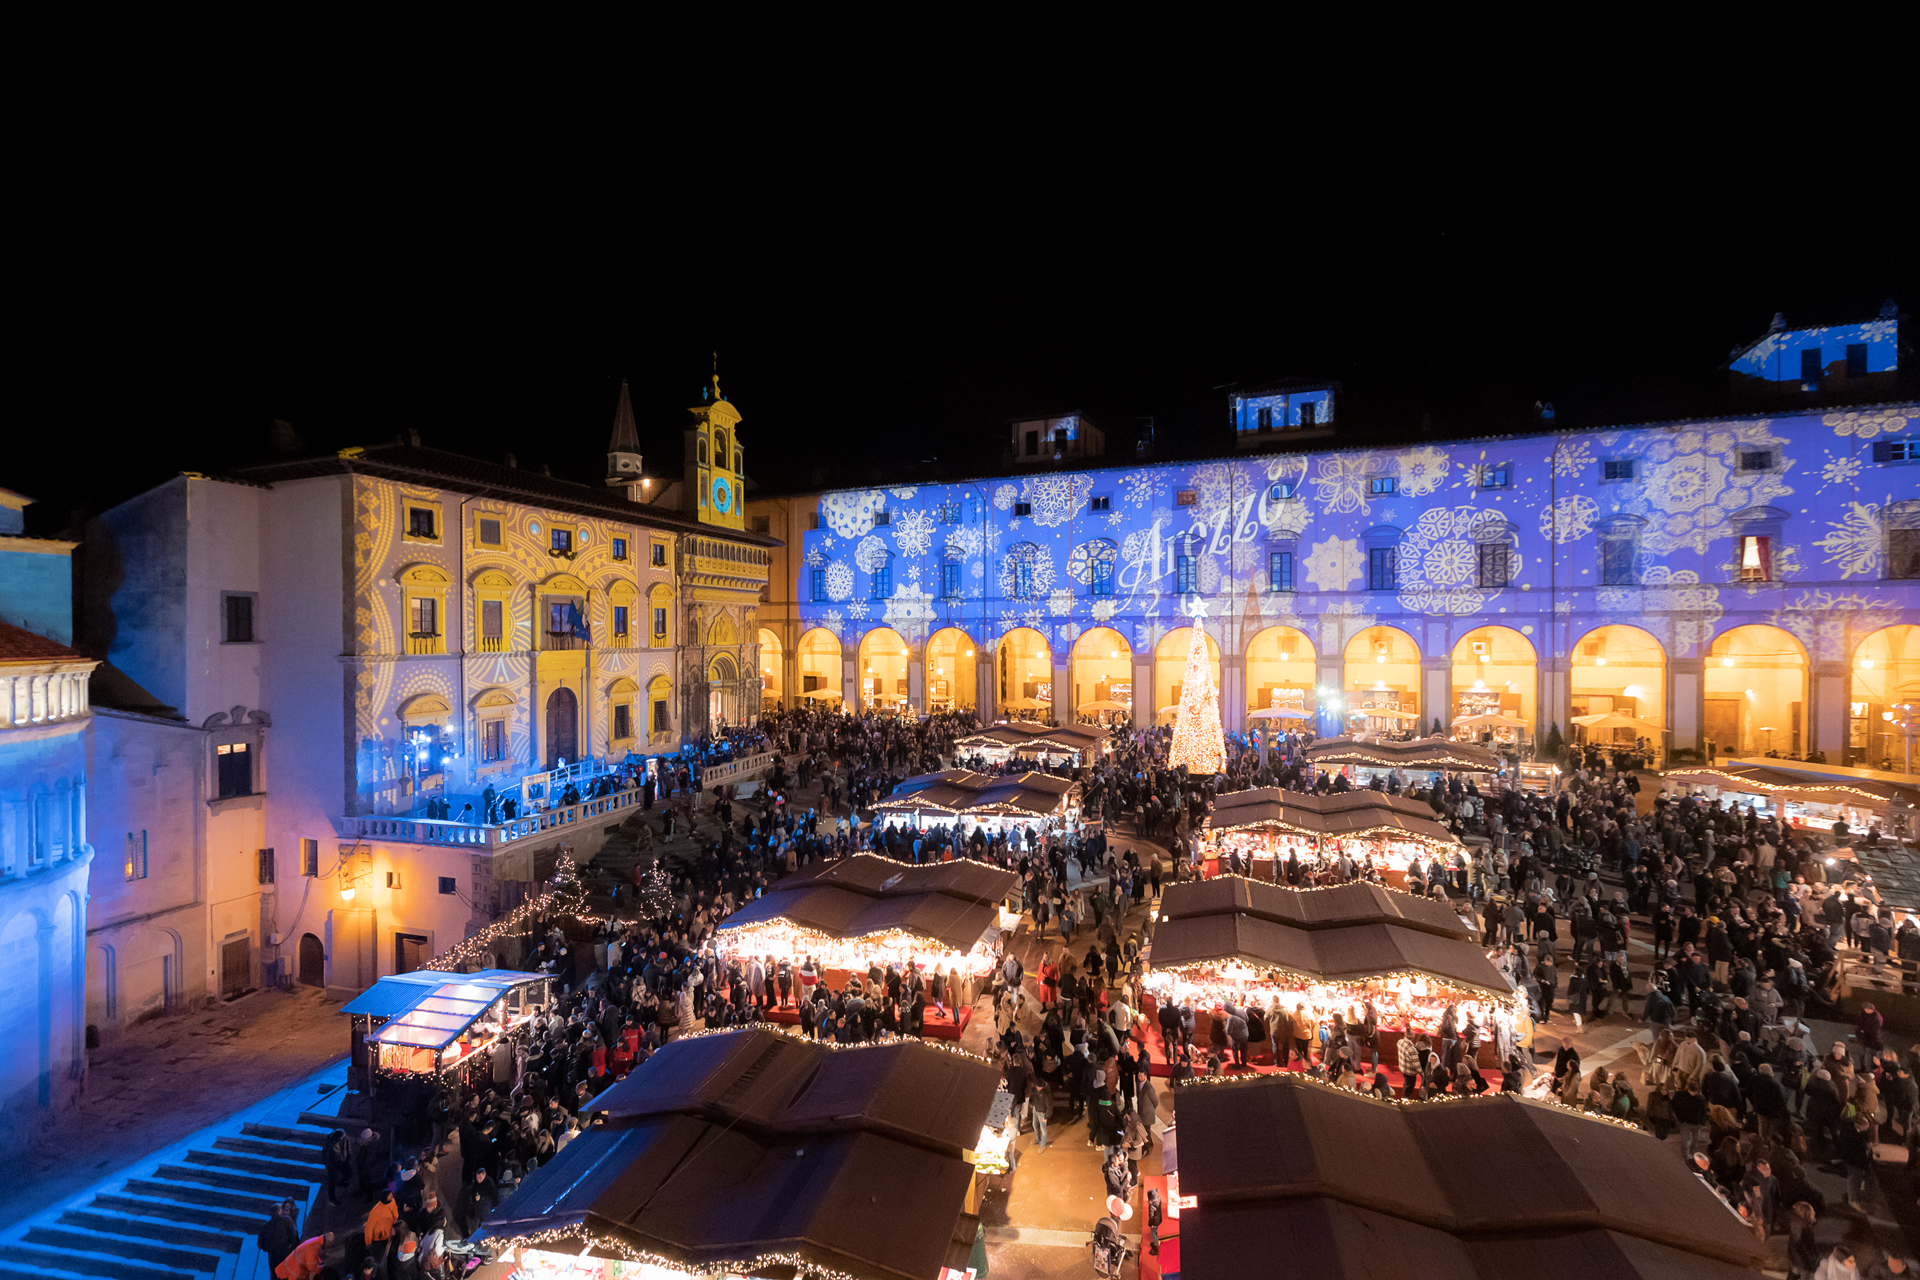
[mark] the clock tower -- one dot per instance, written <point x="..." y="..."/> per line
<point x="714" y="489"/>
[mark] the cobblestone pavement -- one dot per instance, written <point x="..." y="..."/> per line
<point x="166" y="1079"/>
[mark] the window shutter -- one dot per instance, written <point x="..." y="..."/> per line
<point x="1766" y="559"/>
<point x="1883" y="451"/>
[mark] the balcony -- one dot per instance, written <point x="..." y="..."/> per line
<point x="483" y="836"/>
<point x="493" y="644"/>
<point x="424" y="642"/>
<point x="560" y="640"/>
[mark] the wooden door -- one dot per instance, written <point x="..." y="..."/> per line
<point x="235" y="966"/>
<point x="563" y="727"/>
<point x="1723" y="725"/>
<point x="410" y="951"/>
<point x="313" y="961"/>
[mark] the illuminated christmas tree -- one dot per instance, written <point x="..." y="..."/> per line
<point x="1198" y="741"/>
<point x="569" y="891"/>
<point x="656" y="894"/>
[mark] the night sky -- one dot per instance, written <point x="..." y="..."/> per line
<point x="865" y="311"/>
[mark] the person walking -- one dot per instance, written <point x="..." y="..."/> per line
<point x="279" y="1236"/>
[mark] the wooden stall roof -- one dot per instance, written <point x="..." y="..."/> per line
<point x="963" y="793"/>
<point x="1421" y="753"/>
<point x="726" y="1149"/>
<point x="1336" y="906"/>
<point x="1347" y="813"/>
<point x="951" y="903"/>
<point x="1350" y="953"/>
<point x="1869" y="789"/>
<point x="878" y="877"/>
<point x="1031" y="736"/>
<point x="1355" y="1184"/>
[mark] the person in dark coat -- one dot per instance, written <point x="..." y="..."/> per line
<point x="1769" y="1103"/>
<point x="279" y="1236"/>
<point x="476" y="1199"/>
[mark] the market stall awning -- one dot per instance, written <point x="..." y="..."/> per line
<point x="729" y="1151"/>
<point x="429" y="1009"/>
<point x="1421" y="753"/>
<point x="1867" y="788"/>
<point x="1344" y="954"/>
<point x="1352" y="1185"/>
<point x="960" y="793"/>
<point x="1347" y="813"/>
<point x="1334" y="907"/>
<point x="1025" y="735"/>
<point x="949" y="903"/>
<point x="875" y="876"/>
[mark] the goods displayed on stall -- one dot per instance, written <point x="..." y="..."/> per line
<point x="1000" y="742"/>
<point x="964" y="799"/>
<point x="1452" y="1189"/>
<point x="862" y="912"/>
<point x="1419" y="761"/>
<point x="1806" y="795"/>
<point x="753" y="1152"/>
<point x="1231" y="940"/>
<point x="1264" y="826"/>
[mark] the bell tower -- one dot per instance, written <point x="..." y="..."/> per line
<point x="623" y="449"/>
<point x="715" y="459"/>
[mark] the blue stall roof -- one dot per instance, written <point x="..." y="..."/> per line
<point x="429" y="1009"/>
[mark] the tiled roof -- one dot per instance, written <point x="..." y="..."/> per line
<point x="17" y="644"/>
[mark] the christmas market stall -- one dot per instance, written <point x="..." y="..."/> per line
<point x="1808" y="795"/>
<point x="1349" y="1185"/>
<point x="1237" y="941"/>
<point x="1009" y="739"/>
<point x="1421" y="762"/>
<point x="411" y="1032"/>
<point x="1258" y="830"/>
<point x="857" y="914"/>
<point x="754" y="1153"/>
<point x="964" y="800"/>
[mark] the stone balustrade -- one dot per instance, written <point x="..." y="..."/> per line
<point x="42" y="697"/>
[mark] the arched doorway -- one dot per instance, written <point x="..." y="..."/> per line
<point x="723" y="682"/>
<point x="1026" y="673"/>
<point x="563" y="726"/>
<point x="772" y="671"/>
<point x="1881" y="712"/>
<point x="882" y="669"/>
<point x="1281" y="674"/>
<point x="952" y="683"/>
<point x="1102" y="662"/>
<point x="819" y="666"/>
<point x="1493" y="673"/>
<point x="313" y="961"/>
<point x="1382" y="682"/>
<point x="1170" y="671"/>
<point x="1756" y="688"/>
<point x="1620" y="670"/>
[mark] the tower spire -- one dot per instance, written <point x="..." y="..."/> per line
<point x="623" y="447"/>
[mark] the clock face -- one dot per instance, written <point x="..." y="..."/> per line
<point x="722" y="496"/>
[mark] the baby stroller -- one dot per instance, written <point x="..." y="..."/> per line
<point x="1109" y="1244"/>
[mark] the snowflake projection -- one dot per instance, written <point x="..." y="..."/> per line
<point x="1343" y="485"/>
<point x="913" y="533"/>
<point x="851" y="514"/>
<point x="1423" y="471"/>
<point x="857" y="609"/>
<point x="1214" y="491"/>
<point x="816" y="558"/>
<point x="871" y="554"/>
<point x="910" y="612"/>
<point x="1439" y="560"/>
<point x="1572" y="458"/>
<point x="1868" y="424"/>
<point x="1569" y="519"/>
<point x="903" y="494"/>
<point x="1617" y="601"/>
<point x="1841" y="471"/>
<point x="1138" y="488"/>
<point x="1104" y="608"/>
<point x="1080" y="563"/>
<point x="833" y="621"/>
<point x="1116" y="518"/>
<point x="979" y="571"/>
<point x="828" y="542"/>
<point x="1054" y="500"/>
<point x="1060" y="603"/>
<point x="963" y="543"/>
<point x="1040" y="561"/>
<point x="1336" y="564"/>
<point x="1449" y="564"/>
<point x="1854" y="544"/>
<point x="1691" y="607"/>
<point x="1340" y="622"/>
<point x="1693" y="482"/>
<point x="1004" y="497"/>
<point x="1830" y="623"/>
<point x="1281" y="466"/>
<point x="839" y="581"/>
<point x="1033" y="618"/>
<point x="1147" y="636"/>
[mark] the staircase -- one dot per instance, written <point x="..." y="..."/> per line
<point x="191" y="1210"/>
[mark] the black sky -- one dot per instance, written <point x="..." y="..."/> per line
<point x="183" y="274"/>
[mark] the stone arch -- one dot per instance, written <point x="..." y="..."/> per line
<point x="1170" y="670"/>
<point x="1755" y="691"/>
<point x="1025" y="663"/>
<point x="1101" y="672"/>
<point x="952" y="670"/>
<point x="1382" y="678"/>
<point x="1621" y="669"/>
<point x="1281" y="672"/>
<point x="1884" y="697"/>
<point x="820" y="665"/>
<point x="1495" y="670"/>
<point x="883" y="657"/>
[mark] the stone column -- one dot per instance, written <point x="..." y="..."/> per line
<point x="850" y="680"/>
<point x="1553" y="697"/>
<point x="986" y="685"/>
<point x="1064" y="701"/>
<point x="917" y="678"/>
<point x="1686" y="700"/>
<point x="1330" y="714"/>
<point x="1145" y="698"/>
<point x="1826" y="712"/>
<point x="1233" y="692"/>
<point x="1436" y="694"/>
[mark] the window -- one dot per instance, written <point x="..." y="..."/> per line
<point x="309" y="857"/>
<point x="1100" y="578"/>
<point x="659" y="624"/>
<point x="423" y="613"/>
<point x="1100" y="502"/>
<point x="560" y="541"/>
<point x="949" y="513"/>
<point x="420" y="522"/>
<point x="701" y="450"/>
<point x="1187" y="497"/>
<point x="1033" y="443"/>
<point x="1280" y="571"/>
<point x="662" y="723"/>
<point x="1616" y="562"/>
<point x="1810" y="364"/>
<point x="1856" y="359"/>
<point x="882" y="519"/>
<point x="136" y="855"/>
<point x="883" y="582"/>
<point x="1495" y="476"/>
<point x="235" y="770"/>
<point x="492" y="623"/>
<point x="619" y="548"/>
<point x="620" y="620"/>
<point x="622" y="720"/>
<point x="266" y="866"/>
<point x="1381" y="484"/>
<point x="1023" y="579"/>
<point x="239" y="620"/>
<point x="1903" y="553"/>
<point x="1282" y="491"/>
<point x="1896" y="450"/>
<point x="813" y="518"/>
<point x="1309" y="412"/>
<point x="489" y="533"/>
<point x="1382" y="563"/>
<point x="1496" y="559"/>
<point x="1617" y="469"/>
<point x="1186" y="578"/>
<point x="819" y="585"/>
<point x="1756" y="459"/>
<point x="1023" y="508"/>
<point x="1265" y="420"/>
<point x="763" y="524"/>
<point x="659" y="559"/>
<point x="449" y="886"/>
<point x="950" y="580"/>
<point x="493" y="741"/>
<point x="1756" y="559"/>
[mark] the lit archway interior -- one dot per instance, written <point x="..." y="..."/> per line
<point x="1493" y="670"/>
<point x="1624" y="670"/>
<point x="1382" y="677"/>
<point x="1170" y="671"/>
<point x="1884" y="698"/>
<point x="1026" y="672"/>
<point x="882" y="668"/>
<point x="819" y="663"/>
<point x="1280" y="673"/>
<point x="951" y="665"/>
<point x="772" y="677"/>
<point x="1756" y="692"/>
<point x="1102" y="669"/>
